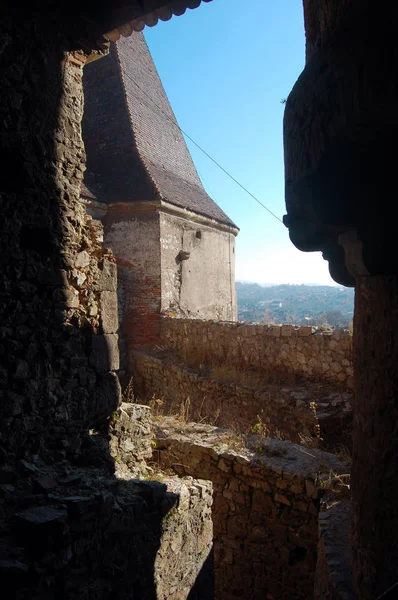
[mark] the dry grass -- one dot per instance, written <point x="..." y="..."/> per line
<point x="253" y="438"/>
<point x="260" y="428"/>
<point x="128" y="392"/>
<point x="185" y="410"/>
<point x="336" y="484"/>
<point x="308" y="441"/>
<point x="157" y="406"/>
<point x="233" y="440"/>
<point x="343" y="453"/>
<point x="264" y="447"/>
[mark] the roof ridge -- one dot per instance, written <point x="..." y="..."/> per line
<point x="174" y="121"/>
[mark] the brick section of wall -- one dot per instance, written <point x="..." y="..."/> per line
<point x="134" y="238"/>
<point x="202" y="285"/>
<point x="265" y="511"/>
<point x="285" y="352"/>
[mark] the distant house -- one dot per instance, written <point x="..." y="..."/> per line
<point x="275" y="304"/>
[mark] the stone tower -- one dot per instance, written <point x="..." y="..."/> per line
<point x="174" y="245"/>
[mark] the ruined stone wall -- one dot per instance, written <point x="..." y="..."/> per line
<point x="284" y="412"/>
<point x="198" y="269"/>
<point x="265" y="510"/>
<point x="333" y="580"/>
<point x="89" y="537"/>
<point x="294" y="382"/>
<point x="77" y="530"/>
<point x="284" y="351"/>
<point x="58" y="343"/>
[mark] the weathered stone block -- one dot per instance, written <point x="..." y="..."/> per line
<point x="184" y="560"/>
<point x="132" y="432"/>
<point x="305" y="331"/>
<point x="106" y="397"/>
<point x="287" y="330"/>
<point x="22" y="370"/>
<point x="82" y="260"/>
<point x="109" y="312"/>
<point x="105" y="353"/>
<point x="108" y="278"/>
<point x="42" y="515"/>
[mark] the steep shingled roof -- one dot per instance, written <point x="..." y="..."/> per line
<point x="135" y="150"/>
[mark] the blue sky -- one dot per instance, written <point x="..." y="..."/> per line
<point x="226" y="66"/>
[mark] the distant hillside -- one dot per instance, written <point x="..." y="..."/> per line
<point x="297" y="304"/>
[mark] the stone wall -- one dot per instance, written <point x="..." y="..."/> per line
<point x="77" y="530"/>
<point x="58" y="341"/>
<point x="333" y="580"/>
<point x="85" y="536"/>
<point x="285" y="412"/>
<point x="281" y="351"/>
<point x="293" y="381"/>
<point x="130" y="431"/>
<point x="198" y="268"/>
<point x="265" y="509"/>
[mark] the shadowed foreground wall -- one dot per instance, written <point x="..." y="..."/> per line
<point x="58" y="342"/>
<point x="69" y="528"/>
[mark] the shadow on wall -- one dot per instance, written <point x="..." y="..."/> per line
<point x="203" y="588"/>
<point x="90" y="537"/>
<point x="57" y="362"/>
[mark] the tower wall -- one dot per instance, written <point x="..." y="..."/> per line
<point x="198" y="269"/>
<point x="134" y="236"/>
<point x="173" y="244"/>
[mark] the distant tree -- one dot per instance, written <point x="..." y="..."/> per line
<point x="322" y="322"/>
<point x="269" y="318"/>
<point x="311" y="321"/>
<point x="334" y="318"/>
